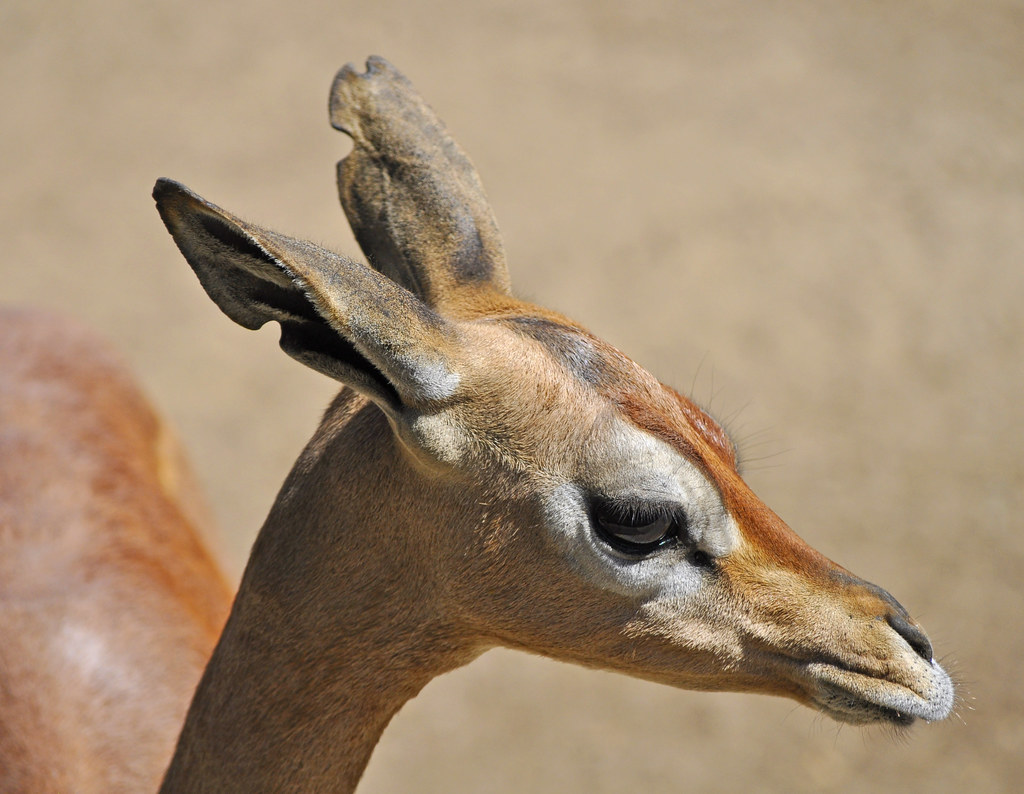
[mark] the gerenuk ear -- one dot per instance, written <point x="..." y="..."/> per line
<point x="411" y="195"/>
<point x="337" y="316"/>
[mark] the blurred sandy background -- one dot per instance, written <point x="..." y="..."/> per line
<point x="812" y="214"/>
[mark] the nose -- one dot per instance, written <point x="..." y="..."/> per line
<point x="899" y="621"/>
<point x="912" y="634"/>
<point x="893" y="612"/>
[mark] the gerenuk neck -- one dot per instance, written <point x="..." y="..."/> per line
<point x="336" y="625"/>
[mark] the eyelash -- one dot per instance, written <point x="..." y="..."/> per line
<point x="636" y="528"/>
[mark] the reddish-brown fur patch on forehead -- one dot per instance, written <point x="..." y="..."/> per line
<point x="707" y="427"/>
<point x="648" y="404"/>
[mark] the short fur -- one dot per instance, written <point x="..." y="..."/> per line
<point x="448" y="506"/>
<point x="448" y="502"/>
<point x="110" y="604"/>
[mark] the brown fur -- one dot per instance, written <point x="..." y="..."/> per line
<point x="439" y="512"/>
<point x="448" y="502"/>
<point x="109" y="602"/>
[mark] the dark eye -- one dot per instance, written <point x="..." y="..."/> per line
<point x="634" y="529"/>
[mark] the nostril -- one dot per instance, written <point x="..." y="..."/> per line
<point x="896" y="616"/>
<point x="912" y="634"/>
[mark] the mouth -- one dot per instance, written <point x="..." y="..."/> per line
<point x="860" y="699"/>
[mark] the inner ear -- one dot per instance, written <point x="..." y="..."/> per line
<point x="337" y="316"/>
<point x="234" y="239"/>
<point x="319" y="347"/>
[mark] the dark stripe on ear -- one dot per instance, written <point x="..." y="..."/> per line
<point x="233" y="239"/>
<point x="471" y="262"/>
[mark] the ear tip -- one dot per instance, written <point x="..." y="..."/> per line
<point x="167" y="192"/>
<point x="374" y="65"/>
<point x="351" y="87"/>
<point x="345" y="89"/>
<point x="175" y="201"/>
<point x="165" y="186"/>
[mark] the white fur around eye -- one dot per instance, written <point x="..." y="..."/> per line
<point x="633" y="463"/>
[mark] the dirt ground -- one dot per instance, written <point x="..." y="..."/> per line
<point x="809" y="214"/>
